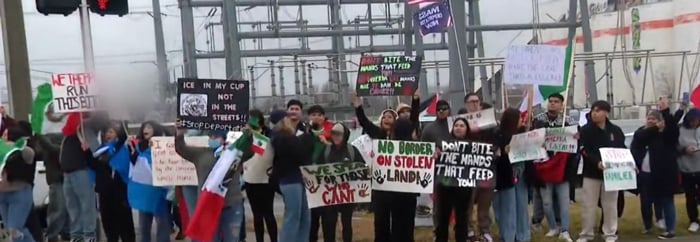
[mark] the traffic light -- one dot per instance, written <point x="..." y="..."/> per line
<point x="65" y="7"/>
<point x="109" y="7"/>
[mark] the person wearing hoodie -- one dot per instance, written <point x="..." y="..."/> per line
<point x="150" y="201"/>
<point x="689" y="165"/>
<point x="453" y="199"/>
<point x="57" y="219"/>
<point x="406" y="111"/>
<point x="78" y="188"/>
<point x="111" y="176"/>
<point x="395" y="212"/>
<point x="436" y="132"/>
<point x="386" y="120"/>
<point x="33" y="222"/>
<point x="599" y="133"/>
<point x="337" y="150"/>
<point x="654" y="151"/>
<point x="16" y="200"/>
<point x="291" y="152"/>
<point x="261" y="194"/>
<point x="510" y="201"/>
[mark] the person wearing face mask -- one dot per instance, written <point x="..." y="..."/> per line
<point x="150" y="201"/>
<point x="111" y="166"/>
<point x="453" y="199"/>
<point x="16" y="184"/>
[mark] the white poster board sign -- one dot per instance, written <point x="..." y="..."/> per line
<point x="484" y="119"/>
<point x="337" y="183"/>
<point x="535" y="64"/>
<point x="527" y="146"/>
<point x="169" y="169"/>
<point x="620" y="170"/>
<point x="561" y="139"/>
<point x="74" y="92"/>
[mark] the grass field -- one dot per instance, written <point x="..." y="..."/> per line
<point x="629" y="226"/>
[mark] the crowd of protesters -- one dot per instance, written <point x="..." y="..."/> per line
<point x="108" y="176"/>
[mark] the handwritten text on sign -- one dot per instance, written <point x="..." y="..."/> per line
<point x="535" y="64"/>
<point x="169" y="169"/>
<point x="527" y="146"/>
<point x="208" y="104"/>
<point x="561" y="139"/>
<point x="403" y="166"/>
<point x="73" y="92"/>
<point x="466" y="164"/>
<point x="388" y="75"/>
<point x="434" y="18"/>
<point x="619" y="173"/>
<point x="484" y="119"/>
<point x="337" y="183"/>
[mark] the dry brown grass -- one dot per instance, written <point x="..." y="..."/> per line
<point x="630" y="225"/>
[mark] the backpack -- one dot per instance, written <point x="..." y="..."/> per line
<point x="327" y="152"/>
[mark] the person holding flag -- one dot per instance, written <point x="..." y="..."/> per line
<point x="218" y="214"/>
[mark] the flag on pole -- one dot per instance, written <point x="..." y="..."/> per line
<point x="541" y="92"/>
<point x="43" y="98"/>
<point x="428" y="109"/>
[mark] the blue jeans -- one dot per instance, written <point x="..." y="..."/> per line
<point x="81" y="203"/>
<point x="511" y="211"/>
<point x="561" y="191"/>
<point x="14" y="208"/>
<point x="230" y="223"/>
<point x="57" y="215"/>
<point x="297" y="220"/>
<point x="647" y="201"/>
<point x="190" y="193"/>
<point x="669" y="211"/>
<point x="162" y="226"/>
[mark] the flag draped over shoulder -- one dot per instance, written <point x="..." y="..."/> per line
<point x="205" y="218"/>
<point x="43" y="98"/>
<point x="541" y="92"/>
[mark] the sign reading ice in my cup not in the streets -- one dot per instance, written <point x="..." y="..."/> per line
<point x="73" y="92"/>
<point x="208" y="104"/>
<point x="388" y="75"/>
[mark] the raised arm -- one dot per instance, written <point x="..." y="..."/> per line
<point x="187" y="152"/>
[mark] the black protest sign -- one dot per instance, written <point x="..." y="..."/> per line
<point x="208" y="104"/>
<point x="466" y="164"/>
<point x="388" y="75"/>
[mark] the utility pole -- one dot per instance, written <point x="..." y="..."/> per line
<point x="16" y="61"/>
<point x="161" y="56"/>
<point x="591" y="88"/>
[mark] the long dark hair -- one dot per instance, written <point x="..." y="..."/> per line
<point x="465" y="123"/>
<point x="510" y="121"/>
<point x="158" y="130"/>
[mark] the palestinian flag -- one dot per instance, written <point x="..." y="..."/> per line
<point x="42" y="117"/>
<point x="428" y="109"/>
<point x="541" y="92"/>
<point x="259" y="143"/>
<point x="205" y="218"/>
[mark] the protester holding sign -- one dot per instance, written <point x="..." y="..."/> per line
<point x="654" y="151"/>
<point x="510" y="202"/>
<point x="386" y="120"/>
<point x="599" y="133"/>
<point x="689" y="145"/>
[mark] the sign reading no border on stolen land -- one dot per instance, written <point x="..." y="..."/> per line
<point x="403" y="166"/>
<point x="73" y="92"/>
<point x="388" y="75"/>
<point x="208" y="104"/>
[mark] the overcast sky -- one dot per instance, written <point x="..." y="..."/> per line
<point x="125" y="49"/>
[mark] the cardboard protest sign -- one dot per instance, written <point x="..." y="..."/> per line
<point x="619" y="173"/>
<point x="337" y="183"/>
<point x="388" y="75"/>
<point x="434" y="18"/>
<point x="208" y="104"/>
<point x="403" y="166"/>
<point x="527" y="146"/>
<point x="484" y="119"/>
<point x="561" y="139"/>
<point x="466" y="164"/>
<point x="364" y="145"/>
<point x="535" y="64"/>
<point x="169" y="169"/>
<point x="74" y="92"/>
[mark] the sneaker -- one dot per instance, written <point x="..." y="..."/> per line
<point x="666" y="235"/>
<point x="582" y="240"/>
<point x="646" y="231"/>
<point x="610" y="239"/>
<point x="537" y="227"/>
<point x="564" y="236"/>
<point x="661" y="224"/>
<point x="486" y="237"/>
<point x="552" y="233"/>
<point x="694" y="227"/>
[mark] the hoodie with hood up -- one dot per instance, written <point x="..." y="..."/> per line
<point x="689" y="137"/>
<point x="340" y="153"/>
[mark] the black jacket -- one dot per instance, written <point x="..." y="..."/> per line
<point x="571" y="168"/>
<point x="49" y="152"/>
<point x="72" y="156"/>
<point x="592" y="138"/>
<point x="661" y="146"/>
<point x="505" y="177"/>
<point x="291" y="152"/>
<point x="340" y="153"/>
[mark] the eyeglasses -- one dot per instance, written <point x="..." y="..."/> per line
<point x="443" y="109"/>
<point x="473" y="101"/>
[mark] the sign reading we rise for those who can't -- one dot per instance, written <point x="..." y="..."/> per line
<point x="74" y="92"/>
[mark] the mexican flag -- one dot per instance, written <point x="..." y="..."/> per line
<point x="205" y="218"/>
<point x="42" y="118"/>
<point x="541" y="92"/>
<point x="259" y="143"/>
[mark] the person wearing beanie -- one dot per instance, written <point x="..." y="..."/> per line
<point x="599" y="133"/>
<point x="689" y="145"/>
<point x="654" y="148"/>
